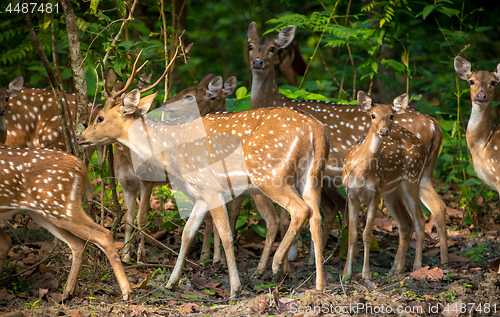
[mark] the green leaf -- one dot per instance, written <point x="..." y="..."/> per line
<point x="241" y="221"/>
<point x="394" y="64"/>
<point x="481" y="29"/>
<point x="375" y="66"/>
<point x="404" y="59"/>
<point x="382" y="22"/>
<point x="427" y="10"/>
<point x="241" y="92"/>
<point x="260" y="230"/>
<point x="120" y="5"/>
<point x="471" y="171"/>
<point x="448" y="11"/>
<point x="93" y="6"/>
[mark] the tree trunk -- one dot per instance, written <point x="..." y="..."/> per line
<point x="76" y="66"/>
<point x="178" y="24"/>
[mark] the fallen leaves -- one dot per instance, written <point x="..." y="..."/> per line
<point x="424" y="274"/>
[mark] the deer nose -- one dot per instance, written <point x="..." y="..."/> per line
<point x="481" y="96"/>
<point x="384" y="132"/>
<point x="257" y="63"/>
<point x="2" y="111"/>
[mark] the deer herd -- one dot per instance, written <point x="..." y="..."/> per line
<point x="295" y="153"/>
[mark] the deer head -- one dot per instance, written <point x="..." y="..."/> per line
<point x="120" y="110"/>
<point x="261" y="50"/>
<point x="12" y="90"/>
<point x="210" y="94"/>
<point x="482" y="83"/>
<point x="382" y="115"/>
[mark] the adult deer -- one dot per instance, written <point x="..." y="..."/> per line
<point x="346" y="124"/>
<point x="482" y="135"/>
<point x="210" y="96"/>
<point x="257" y="154"/>
<point x="48" y="185"/>
<point x="12" y="90"/>
<point x="32" y="118"/>
<point x="388" y="162"/>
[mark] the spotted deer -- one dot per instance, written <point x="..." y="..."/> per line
<point x="12" y="90"/>
<point x="276" y="152"/>
<point x="482" y="135"/>
<point x="345" y="124"/>
<point x="388" y="162"/>
<point x="32" y="119"/>
<point x="48" y="185"/>
<point x="210" y="96"/>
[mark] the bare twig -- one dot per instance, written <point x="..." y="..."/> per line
<point x="163" y="245"/>
<point x="317" y="44"/>
<point x="113" y="43"/>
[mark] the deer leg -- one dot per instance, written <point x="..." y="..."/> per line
<point x="411" y="192"/>
<point x="368" y="233"/>
<point x="299" y="211"/>
<point x="5" y="243"/>
<point x="207" y="234"/>
<point x="217" y="251"/>
<point x="197" y="215"/>
<point x="234" y="211"/>
<point x="142" y="216"/>
<point x="354" y="206"/>
<point x="221" y="220"/>
<point x="396" y="206"/>
<point x="129" y="198"/>
<point x="434" y="203"/>
<point x="311" y="197"/>
<point x="266" y="209"/>
<point x="76" y="236"/>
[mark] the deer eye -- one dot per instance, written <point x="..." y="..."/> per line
<point x="271" y="49"/>
<point x="250" y="47"/>
<point x="471" y="82"/>
<point x="212" y="98"/>
<point x="7" y="99"/>
<point x="493" y="83"/>
<point x="100" y="119"/>
<point x="391" y="117"/>
<point x="373" y="116"/>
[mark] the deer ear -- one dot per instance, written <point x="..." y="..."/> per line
<point x="497" y="72"/>
<point x="215" y="86"/>
<point x="113" y="80"/>
<point x="15" y="86"/>
<point x="229" y="86"/>
<point x="463" y="68"/>
<point x="146" y="103"/>
<point x="285" y="36"/>
<point x="206" y="80"/>
<point x="144" y="80"/>
<point x="400" y="104"/>
<point x="364" y="101"/>
<point x="252" y="32"/>
<point x="131" y="102"/>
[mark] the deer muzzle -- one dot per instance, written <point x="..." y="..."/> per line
<point x="257" y="63"/>
<point x="384" y="132"/>
<point x="481" y="97"/>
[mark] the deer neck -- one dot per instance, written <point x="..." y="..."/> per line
<point x="152" y="142"/>
<point x="480" y="125"/>
<point x="265" y="93"/>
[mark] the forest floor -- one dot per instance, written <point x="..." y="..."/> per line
<point x="468" y="286"/>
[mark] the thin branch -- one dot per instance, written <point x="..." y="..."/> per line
<point x="317" y="45"/>
<point x="113" y="43"/>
